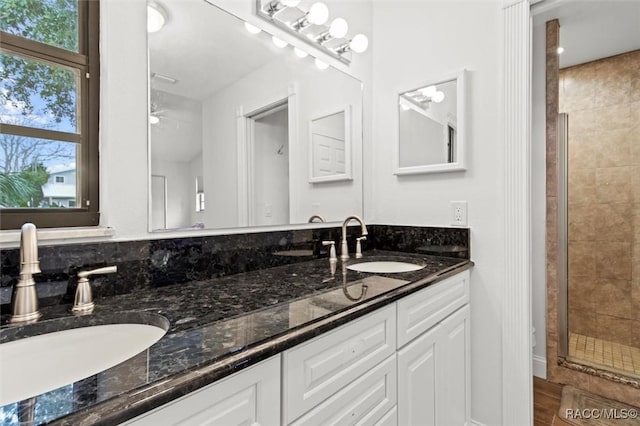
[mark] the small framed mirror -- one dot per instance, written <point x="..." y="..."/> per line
<point x="330" y="153"/>
<point x="431" y="125"/>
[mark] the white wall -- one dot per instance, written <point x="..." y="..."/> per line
<point x="418" y="41"/>
<point x="538" y="201"/>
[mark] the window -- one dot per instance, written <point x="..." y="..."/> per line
<point x="49" y="112"/>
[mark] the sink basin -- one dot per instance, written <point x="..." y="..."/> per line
<point x="384" y="267"/>
<point x="41" y="357"/>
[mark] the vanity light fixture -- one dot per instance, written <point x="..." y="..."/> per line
<point x="252" y="28"/>
<point x="300" y="53"/>
<point x="428" y="91"/>
<point x="438" y="97"/>
<point x="311" y="26"/>
<point x="321" y="65"/>
<point x="156" y="17"/>
<point x="278" y="42"/>
<point x="154" y="119"/>
<point x="339" y="28"/>
<point x="560" y="50"/>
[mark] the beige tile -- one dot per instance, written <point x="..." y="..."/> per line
<point x="612" y="82"/>
<point x="582" y="222"/>
<point x="613" y="298"/>
<point x="635" y="220"/>
<point x="634" y="66"/>
<point x="582" y="259"/>
<point x="613" y="185"/>
<point x="634" y="195"/>
<point x="614" y="222"/>
<point x="582" y="121"/>
<point x="613" y="261"/>
<point x="613" y="117"/>
<point x="582" y="322"/>
<point x="635" y="262"/>
<point x="582" y="293"/>
<point x="582" y="150"/>
<point x="616" y="330"/>
<point x="582" y="186"/>
<point x="613" y="147"/>
<point x="577" y="88"/>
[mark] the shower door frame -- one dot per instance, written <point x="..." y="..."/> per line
<point x="563" y="235"/>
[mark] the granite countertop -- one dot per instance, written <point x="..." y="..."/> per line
<point x="218" y="327"/>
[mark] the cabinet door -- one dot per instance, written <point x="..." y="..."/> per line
<point x="453" y="369"/>
<point x="249" y="397"/>
<point x="417" y="380"/>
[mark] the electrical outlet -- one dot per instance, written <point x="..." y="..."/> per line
<point x="459" y="213"/>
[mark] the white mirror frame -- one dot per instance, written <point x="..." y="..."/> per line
<point x="347" y="175"/>
<point x="459" y="164"/>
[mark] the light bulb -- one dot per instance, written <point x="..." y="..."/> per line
<point x="154" y="119"/>
<point x="300" y="53"/>
<point x="339" y="28"/>
<point x="560" y="50"/>
<point x="318" y="14"/>
<point x="156" y="18"/>
<point x="429" y="91"/>
<point x="290" y="3"/>
<point x="279" y="43"/>
<point x="359" y="43"/>
<point x="321" y="65"/>
<point x="252" y="28"/>
<point x="405" y="107"/>
<point x="438" y="97"/>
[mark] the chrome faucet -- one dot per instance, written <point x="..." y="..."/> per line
<point x="24" y="301"/>
<point x="344" y="249"/>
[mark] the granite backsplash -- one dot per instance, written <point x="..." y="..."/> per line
<point x="160" y="262"/>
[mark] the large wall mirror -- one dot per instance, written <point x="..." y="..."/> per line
<point x="233" y="118"/>
<point x="431" y="124"/>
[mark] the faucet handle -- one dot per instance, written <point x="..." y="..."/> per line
<point x="332" y="250"/>
<point x="105" y="270"/>
<point x="83" y="303"/>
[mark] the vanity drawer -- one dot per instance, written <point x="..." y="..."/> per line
<point x="315" y="370"/>
<point x="367" y="401"/>
<point x="249" y="397"/>
<point x="422" y="310"/>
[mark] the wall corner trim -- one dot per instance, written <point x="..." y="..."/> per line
<point x="517" y="374"/>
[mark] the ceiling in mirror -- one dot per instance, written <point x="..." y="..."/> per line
<point x="232" y="112"/>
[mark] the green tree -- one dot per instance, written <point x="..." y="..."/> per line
<point x="36" y="175"/>
<point x="53" y="22"/>
<point x="12" y="188"/>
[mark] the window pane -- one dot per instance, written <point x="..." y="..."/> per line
<point x="54" y="22"/>
<point x="38" y="94"/>
<point x="37" y="173"/>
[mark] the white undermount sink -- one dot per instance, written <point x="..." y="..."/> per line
<point x="34" y="365"/>
<point x="380" y="267"/>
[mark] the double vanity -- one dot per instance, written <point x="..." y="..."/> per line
<point x="299" y="343"/>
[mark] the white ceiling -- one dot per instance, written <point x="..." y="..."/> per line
<point x="204" y="48"/>
<point x="592" y="29"/>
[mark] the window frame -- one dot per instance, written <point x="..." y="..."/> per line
<point x="87" y="61"/>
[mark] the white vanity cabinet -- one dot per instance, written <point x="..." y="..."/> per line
<point x="249" y="397"/>
<point x="434" y="367"/>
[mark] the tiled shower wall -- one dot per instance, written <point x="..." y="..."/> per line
<point x="602" y="100"/>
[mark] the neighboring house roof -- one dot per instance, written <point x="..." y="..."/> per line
<point x="59" y="190"/>
<point x="62" y="171"/>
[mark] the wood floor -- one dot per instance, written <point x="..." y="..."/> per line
<point x="546" y="402"/>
